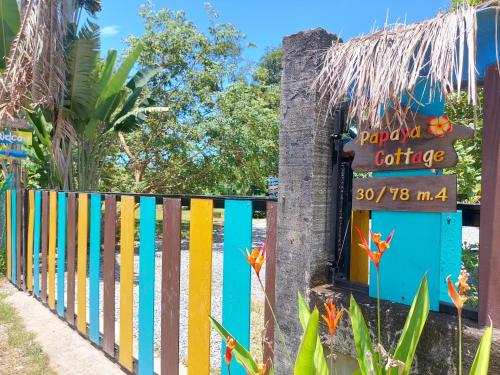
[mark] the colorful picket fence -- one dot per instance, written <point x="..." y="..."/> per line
<point x="56" y="241"/>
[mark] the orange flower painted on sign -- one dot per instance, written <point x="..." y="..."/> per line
<point x="332" y="317"/>
<point x="439" y="126"/>
<point x="382" y="246"/>
<point x="256" y="258"/>
<point x="459" y="297"/>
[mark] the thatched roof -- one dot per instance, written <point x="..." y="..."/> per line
<point x="382" y="70"/>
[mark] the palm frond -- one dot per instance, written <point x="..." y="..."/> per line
<point x="82" y="62"/>
<point x="35" y="68"/>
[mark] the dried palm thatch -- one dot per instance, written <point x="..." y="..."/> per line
<point x="35" y="75"/>
<point x="35" y="67"/>
<point x="379" y="71"/>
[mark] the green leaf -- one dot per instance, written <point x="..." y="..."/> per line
<point x="82" y="62"/>
<point x="118" y="79"/>
<point x="320" y="364"/>
<point x="482" y="358"/>
<point x="405" y="350"/>
<point x="142" y="77"/>
<point x="304" y="312"/>
<point x="114" y="92"/>
<point x="9" y="26"/>
<point x="304" y="364"/>
<point x="242" y="355"/>
<point x="106" y="71"/>
<point x="364" y="348"/>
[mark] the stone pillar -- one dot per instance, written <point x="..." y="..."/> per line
<point x="489" y="234"/>
<point x="304" y="187"/>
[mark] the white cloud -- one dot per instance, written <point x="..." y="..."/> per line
<point x="109" y="30"/>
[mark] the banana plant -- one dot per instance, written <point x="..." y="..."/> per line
<point x="102" y="98"/>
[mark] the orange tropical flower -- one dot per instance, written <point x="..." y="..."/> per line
<point x="459" y="297"/>
<point x="230" y="344"/>
<point x="439" y="126"/>
<point x="256" y="258"/>
<point x="262" y="369"/>
<point x="332" y="317"/>
<point x="381" y="245"/>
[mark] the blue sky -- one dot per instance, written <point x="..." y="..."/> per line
<point x="266" y="22"/>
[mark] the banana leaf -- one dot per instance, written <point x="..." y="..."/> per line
<point x="405" y="350"/>
<point x="242" y="355"/>
<point x="362" y="340"/>
<point x="482" y="358"/>
<point x="9" y="26"/>
<point x="320" y="364"/>
<point x="304" y="364"/>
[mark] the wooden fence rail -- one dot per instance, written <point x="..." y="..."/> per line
<point x="70" y="246"/>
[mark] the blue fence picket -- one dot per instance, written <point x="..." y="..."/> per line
<point x="94" y="266"/>
<point x="36" y="244"/>
<point x="146" y="284"/>
<point x="14" y="237"/>
<point x="236" y="275"/>
<point x="61" y="251"/>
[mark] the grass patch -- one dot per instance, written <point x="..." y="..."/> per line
<point x="19" y="352"/>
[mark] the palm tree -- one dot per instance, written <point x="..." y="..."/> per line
<point x="35" y="72"/>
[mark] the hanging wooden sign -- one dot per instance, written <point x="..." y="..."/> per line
<point x="425" y="142"/>
<point x="416" y="194"/>
<point x="6" y="152"/>
<point x="10" y="137"/>
<point x="14" y="124"/>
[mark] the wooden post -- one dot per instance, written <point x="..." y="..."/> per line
<point x="489" y="235"/>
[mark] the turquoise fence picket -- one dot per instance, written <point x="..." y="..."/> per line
<point x="61" y="251"/>
<point x="94" y="266"/>
<point x="236" y="275"/>
<point x="36" y="244"/>
<point x="146" y="284"/>
<point x="14" y="237"/>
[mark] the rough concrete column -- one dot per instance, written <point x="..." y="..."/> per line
<point x="304" y="186"/>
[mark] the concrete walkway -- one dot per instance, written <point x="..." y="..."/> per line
<point x="69" y="353"/>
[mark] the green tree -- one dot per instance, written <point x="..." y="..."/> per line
<point x="170" y="152"/>
<point x="469" y="166"/>
<point x="244" y="134"/>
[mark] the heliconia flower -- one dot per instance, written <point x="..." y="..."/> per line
<point x="256" y="258"/>
<point x="381" y="245"/>
<point x="462" y="283"/>
<point x="230" y="344"/>
<point x="262" y="369"/>
<point x="439" y="126"/>
<point x="459" y="297"/>
<point x="332" y="317"/>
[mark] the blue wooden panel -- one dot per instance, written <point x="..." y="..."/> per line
<point x="94" y="266"/>
<point x="36" y="243"/>
<point x="14" y="238"/>
<point x="488" y="33"/>
<point x="146" y="284"/>
<point x="415" y="250"/>
<point x="451" y="251"/>
<point x="236" y="277"/>
<point x="61" y="251"/>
